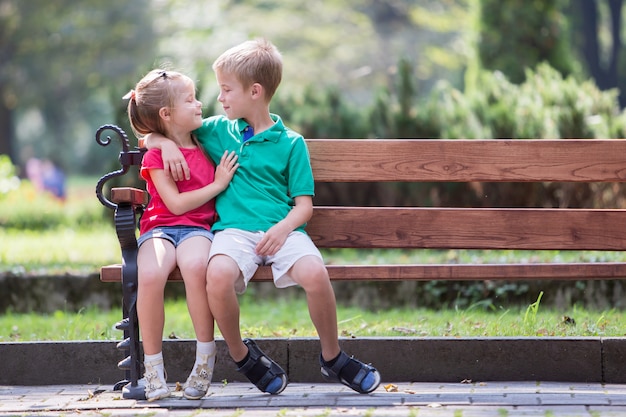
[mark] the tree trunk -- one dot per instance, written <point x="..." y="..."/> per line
<point x="7" y="142"/>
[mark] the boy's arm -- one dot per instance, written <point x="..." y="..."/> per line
<point x="276" y="236"/>
<point x="174" y="163"/>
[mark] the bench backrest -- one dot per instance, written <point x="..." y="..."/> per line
<point x="471" y="228"/>
<point x="469" y="161"/>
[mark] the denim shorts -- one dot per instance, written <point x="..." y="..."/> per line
<point x="175" y="234"/>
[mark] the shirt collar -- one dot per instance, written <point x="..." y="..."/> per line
<point x="271" y="134"/>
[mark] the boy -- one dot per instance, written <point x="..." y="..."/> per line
<point x="262" y="215"/>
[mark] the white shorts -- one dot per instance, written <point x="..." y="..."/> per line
<point x="239" y="245"/>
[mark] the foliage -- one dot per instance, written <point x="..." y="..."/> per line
<point x="8" y="178"/>
<point x="58" y="62"/>
<point x="597" y="31"/>
<point x="111" y="44"/>
<point x="27" y="208"/>
<point x="512" y="48"/>
<point x="323" y="114"/>
<point x="546" y="105"/>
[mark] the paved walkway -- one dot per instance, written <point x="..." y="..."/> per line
<point x="549" y="399"/>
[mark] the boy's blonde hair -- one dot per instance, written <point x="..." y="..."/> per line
<point x="153" y="92"/>
<point x="254" y="61"/>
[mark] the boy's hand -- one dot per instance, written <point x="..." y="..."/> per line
<point x="273" y="240"/>
<point x="276" y="236"/>
<point x="226" y="169"/>
<point x="174" y="162"/>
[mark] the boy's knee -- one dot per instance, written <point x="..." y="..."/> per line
<point x="312" y="277"/>
<point x="312" y="267"/>
<point x="222" y="272"/>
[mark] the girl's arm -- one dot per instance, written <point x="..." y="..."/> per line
<point x="174" y="163"/>
<point x="179" y="203"/>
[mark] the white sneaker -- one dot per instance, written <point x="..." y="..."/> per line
<point x="156" y="387"/>
<point x="199" y="380"/>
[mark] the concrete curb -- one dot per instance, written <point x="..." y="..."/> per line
<point x="586" y="359"/>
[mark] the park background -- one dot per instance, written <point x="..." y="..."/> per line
<point x="360" y="69"/>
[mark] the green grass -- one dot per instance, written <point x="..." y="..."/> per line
<point x="289" y="318"/>
<point x="58" y="250"/>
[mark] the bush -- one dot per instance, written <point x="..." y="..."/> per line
<point x="8" y="178"/>
<point x="28" y="208"/>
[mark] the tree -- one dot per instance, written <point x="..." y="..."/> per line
<point x="56" y="57"/>
<point x="600" y="20"/>
<point x="517" y="35"/>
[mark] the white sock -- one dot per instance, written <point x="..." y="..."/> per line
<point x="205" y="353"/>
<point x="205" y="348"/>
<point x="156" y="362"/>
<point x="151" y="359"/>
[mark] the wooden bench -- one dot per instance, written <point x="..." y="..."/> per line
<point x="408" y="160"/>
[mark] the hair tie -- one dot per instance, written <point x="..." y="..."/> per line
<point x="130" y="95"/>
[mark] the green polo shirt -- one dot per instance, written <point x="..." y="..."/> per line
<point x="274" y="167"/>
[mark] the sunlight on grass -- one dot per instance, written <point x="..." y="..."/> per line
<point x="59" y="250"/>
<point x="289" y="318"/>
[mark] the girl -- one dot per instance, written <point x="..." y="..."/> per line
<point x="175" y="227"/>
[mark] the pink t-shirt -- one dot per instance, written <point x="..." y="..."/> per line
<point x="202" y="173"/>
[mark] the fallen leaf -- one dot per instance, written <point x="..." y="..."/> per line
<point x="391" y="388"/>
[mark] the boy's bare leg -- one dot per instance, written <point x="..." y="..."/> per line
<point x="311" y="274"/>
<point x="261" y="370"/>
<point x="221" y="276"/>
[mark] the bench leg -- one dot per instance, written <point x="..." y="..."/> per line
<point x="125" y="221"/>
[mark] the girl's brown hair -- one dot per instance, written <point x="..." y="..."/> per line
<point x="153" y="92"/>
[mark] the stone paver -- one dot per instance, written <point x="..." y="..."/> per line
<point x="548" y="399"/>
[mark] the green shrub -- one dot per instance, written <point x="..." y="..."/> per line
<point x="28" y="208"/>
<point x="8" y="178"/>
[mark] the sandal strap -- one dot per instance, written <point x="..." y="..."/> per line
<point x="341" y="361"/>
<point x="332" y="372"/>
<point x="273" y="370"/>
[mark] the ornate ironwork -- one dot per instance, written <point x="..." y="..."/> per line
<point x="127" y="158"/>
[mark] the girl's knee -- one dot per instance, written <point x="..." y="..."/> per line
<point x="194" y="270"/>
<point x="151" y="277"/>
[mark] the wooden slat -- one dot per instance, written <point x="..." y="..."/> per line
<point x="113" y="273"/>
<point x="468" y="228"/>
<point x="441" y="160"/>
<point x="450" y="272"/>
<point x="130" y="195"/>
